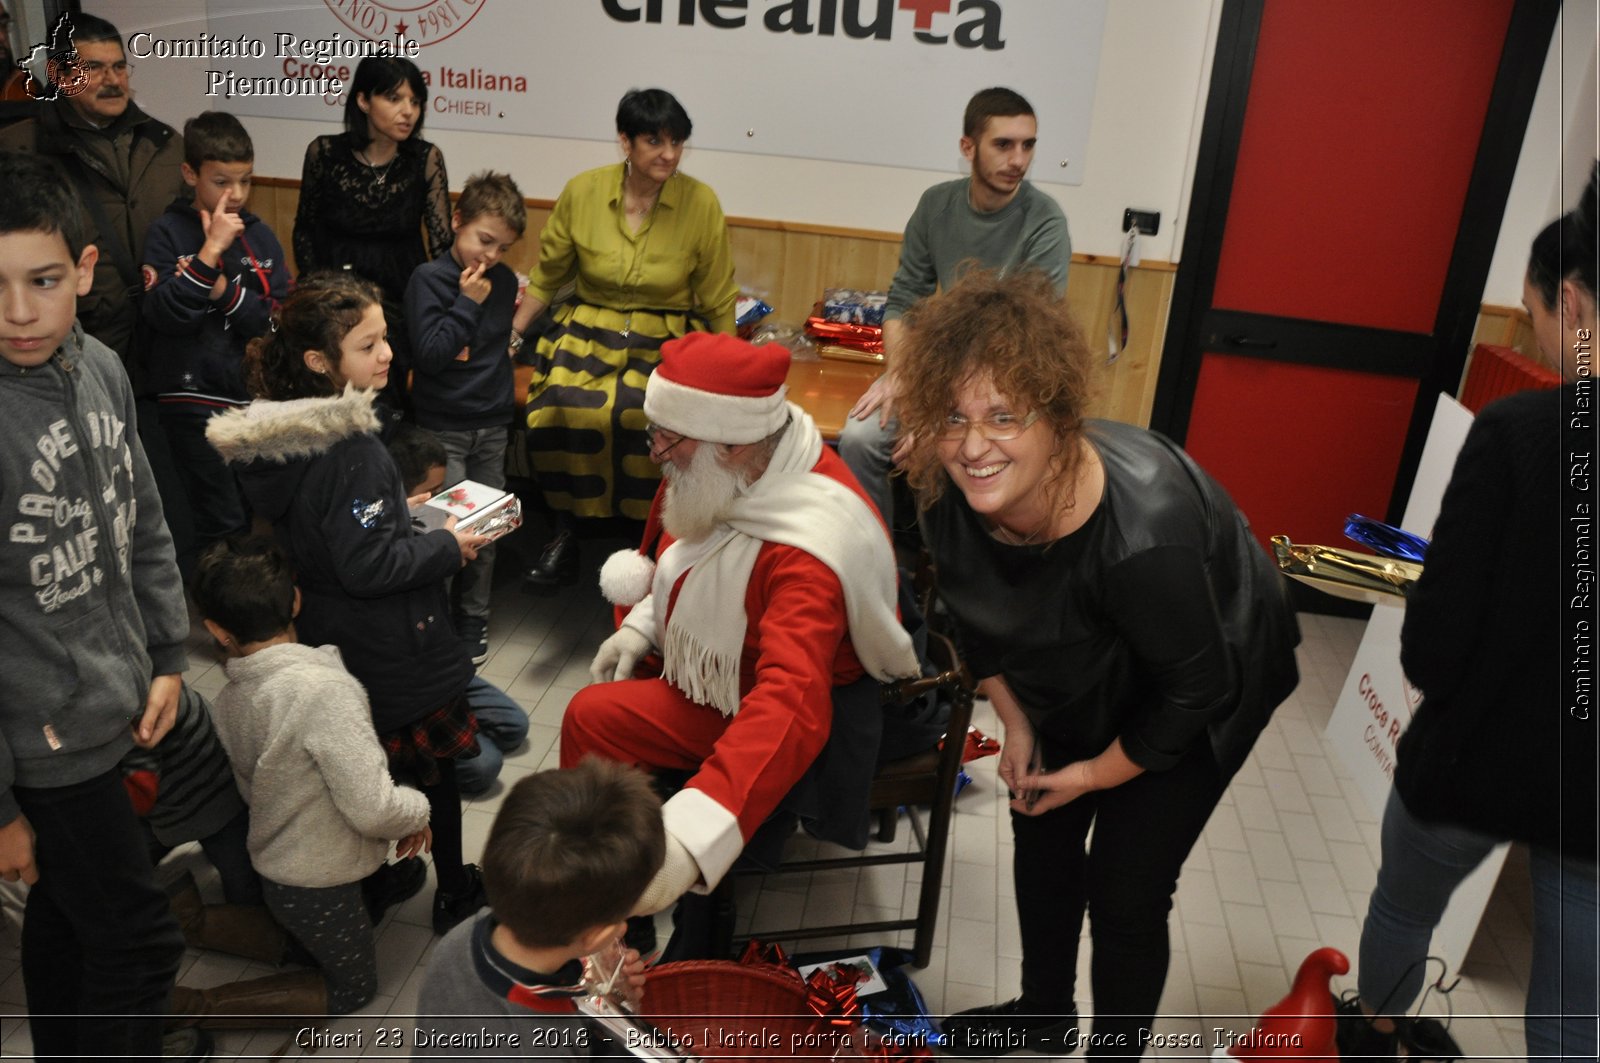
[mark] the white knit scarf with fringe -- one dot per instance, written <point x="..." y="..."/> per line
<point x="792" y="505"/>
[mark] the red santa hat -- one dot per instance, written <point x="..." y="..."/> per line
<point x="719" y="388"/>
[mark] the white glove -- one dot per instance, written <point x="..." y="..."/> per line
<point x="617" y="656"/>
<point x="678" y="872"/>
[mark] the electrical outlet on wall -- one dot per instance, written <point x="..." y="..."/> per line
<point x="1146" y="221"/>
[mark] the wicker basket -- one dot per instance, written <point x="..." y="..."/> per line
<point x="738" y="1011"/>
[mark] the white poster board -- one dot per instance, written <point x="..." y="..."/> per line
<point x="1376" y="703"/>
<point x="868" y="81"/>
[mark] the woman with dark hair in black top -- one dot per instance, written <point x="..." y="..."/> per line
<point x="369" y="195"/>
<point x="1494" y="753"/>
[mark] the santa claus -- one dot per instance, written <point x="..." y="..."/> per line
<point x="774" y="583"/>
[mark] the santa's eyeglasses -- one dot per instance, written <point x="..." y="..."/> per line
<point x="662" y="440"/>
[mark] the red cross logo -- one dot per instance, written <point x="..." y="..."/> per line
<point x="925" y="10"/>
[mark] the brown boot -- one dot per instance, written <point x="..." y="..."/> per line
<point x="285" y="1000"/>
<point x="246" y="930"/>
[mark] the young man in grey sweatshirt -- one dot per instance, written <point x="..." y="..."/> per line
<point x="993" y="218"/>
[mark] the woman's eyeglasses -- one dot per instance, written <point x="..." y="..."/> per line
<point x="997" y="427"/>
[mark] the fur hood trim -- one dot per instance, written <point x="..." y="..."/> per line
<point x="292" y="430"/>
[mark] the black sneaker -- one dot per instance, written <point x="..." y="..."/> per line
<point x="473" y="632"/>
<point x="996" y="1029"/>
<point x="452" y="908"/>
<point x="1355" y="1035"/>
<point x="391" y="884"/>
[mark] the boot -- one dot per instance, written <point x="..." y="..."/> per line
<point x="557" y="565"/>
<point x="285" y="1000"/>
<point x="392" y="884"/>
<point x="246" y="930"/>
<point x="449" y="909"/>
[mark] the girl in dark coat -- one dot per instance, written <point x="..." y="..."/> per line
<point x="312" y="462"/>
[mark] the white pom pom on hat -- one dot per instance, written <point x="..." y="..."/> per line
<point x="626" y="576"/>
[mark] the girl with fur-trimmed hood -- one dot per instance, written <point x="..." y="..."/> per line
<point x="311" y="461"/>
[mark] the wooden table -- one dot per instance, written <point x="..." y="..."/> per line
<point x="825" y="389"/>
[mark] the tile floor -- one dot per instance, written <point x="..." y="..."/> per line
<point x="1285" y="866"/>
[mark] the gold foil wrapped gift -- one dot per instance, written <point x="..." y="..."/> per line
<point x="1346" y="573"/>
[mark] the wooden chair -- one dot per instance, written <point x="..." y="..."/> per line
<point x="927" y="778"/>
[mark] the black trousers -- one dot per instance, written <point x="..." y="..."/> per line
<point x="208" y="488"/>
<point x="100" y="947"/>
<point x="1125" y="879"/>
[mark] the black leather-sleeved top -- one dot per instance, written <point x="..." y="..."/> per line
<point x="1159" y="620"/>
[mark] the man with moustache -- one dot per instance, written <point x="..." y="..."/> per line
<point x="994" y="218"/>
<point x="123" y="163"/>
<point x="774" y="584"/>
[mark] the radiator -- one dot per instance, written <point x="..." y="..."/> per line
<point x="1496" y="371"/>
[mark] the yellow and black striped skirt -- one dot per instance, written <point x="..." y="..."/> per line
<point x="586" y="440"/>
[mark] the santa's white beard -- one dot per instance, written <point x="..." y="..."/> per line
<point x="699" y="497"/>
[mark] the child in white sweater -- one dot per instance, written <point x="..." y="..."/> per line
<point x="298" y="730"/>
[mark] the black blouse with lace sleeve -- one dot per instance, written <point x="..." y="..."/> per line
<point x="372" y="219"/>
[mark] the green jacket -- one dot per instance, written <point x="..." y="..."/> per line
<point x="130" y="198"/>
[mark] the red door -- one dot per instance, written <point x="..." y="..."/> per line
<point x="1353" y="174"/>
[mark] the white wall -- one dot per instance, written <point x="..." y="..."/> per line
<point x="1557" y="150"/>
<point x="1147" y="106"/>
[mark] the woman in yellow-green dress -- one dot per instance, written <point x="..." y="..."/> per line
<point x="648" y="248"/>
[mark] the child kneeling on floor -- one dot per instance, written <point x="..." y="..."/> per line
<point x="323" y="808"/>
<point x="567" y="859"/>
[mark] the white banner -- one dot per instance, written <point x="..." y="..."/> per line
<point x="865" y="81"/>
<point x="1376" y="704"/>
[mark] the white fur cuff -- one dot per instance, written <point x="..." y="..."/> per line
<point x="709" y="831"/>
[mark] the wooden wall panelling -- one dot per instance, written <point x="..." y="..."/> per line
<point x="790" y="264"/>
<point x="1506" y="326"/>
<point x="1124" y="389"/>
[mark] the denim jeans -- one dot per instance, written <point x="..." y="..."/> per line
<point x="477" y="454"/>
<point x="1423" y="863"/>
<point x="100" y="947"/>
<point x="502" y="725"/>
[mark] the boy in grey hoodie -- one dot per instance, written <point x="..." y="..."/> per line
<point x="92" y="627"/>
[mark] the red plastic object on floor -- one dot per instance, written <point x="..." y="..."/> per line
<point x="1301" y="1025"/>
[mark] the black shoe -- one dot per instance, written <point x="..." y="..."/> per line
<point x="1355" y="1035"/>
<point x="997" y="1029"/>
<point x="452" y="908"/>
<point x="557" y="565"/>
<point x="1426" y="1038"/>
<point x="391" y="884"/>
<point x="188" y="1045"/>
<point x="474" y="635"/>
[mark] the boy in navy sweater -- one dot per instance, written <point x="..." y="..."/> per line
<point x="458" y="311"/>
<point x="213" y="274"/>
